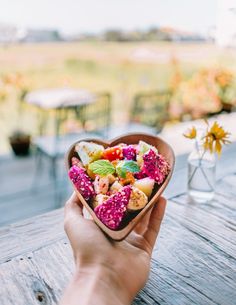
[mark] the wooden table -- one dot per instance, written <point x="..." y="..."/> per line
<point x="59" y="100"/>
<point x="194" y="261"/>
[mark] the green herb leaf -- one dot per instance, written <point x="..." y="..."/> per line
<point x="131" y="166"/>
<point x="102" y="167"/>
<point x="121" y="171"/>
<point x="127" y="166"/>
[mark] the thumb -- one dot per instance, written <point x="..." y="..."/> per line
<point x="73" y="209"/>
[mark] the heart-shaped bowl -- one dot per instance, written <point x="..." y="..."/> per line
<point x="132" y="138"/>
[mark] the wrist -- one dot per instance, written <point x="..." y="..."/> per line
<point x="101" y="285"/>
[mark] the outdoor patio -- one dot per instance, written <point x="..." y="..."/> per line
<point x="26" y="195"/>
<point x="131" y="107"/>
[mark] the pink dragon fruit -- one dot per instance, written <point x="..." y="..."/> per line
<point x="129" y="152"/>
<point x="112" y="211"/>
<point x="155" y="166"/>
<point x="82" y="182"/>
<point x="140" y="175"/>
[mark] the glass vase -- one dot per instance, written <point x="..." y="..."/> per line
<point x="201" y="174"/>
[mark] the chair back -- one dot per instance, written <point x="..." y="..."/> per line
<point x="97" y="116"/>
<point x="151" y="109"/>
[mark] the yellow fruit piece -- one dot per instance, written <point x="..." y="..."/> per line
<point x="115" y="187"/>
<point x="137" y="200"/>
<point x="99" y="199"/>
<point x="145" y="185"/>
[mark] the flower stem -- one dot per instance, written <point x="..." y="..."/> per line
<point x="200" y="168"/>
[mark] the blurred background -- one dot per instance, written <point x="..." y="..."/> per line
<point x="66" y="64"/>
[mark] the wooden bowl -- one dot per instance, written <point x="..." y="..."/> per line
<point x="132" y="138"/>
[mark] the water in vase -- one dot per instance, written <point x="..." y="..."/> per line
<point x="201" y="179"/>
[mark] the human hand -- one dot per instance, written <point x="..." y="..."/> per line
<point x="120" y="268"/>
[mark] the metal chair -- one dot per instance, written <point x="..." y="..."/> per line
<point x="95" y="119"/>
<point x="150" y="110"/>
<point x="148" y="114"/>
<point x="97" y="116"/>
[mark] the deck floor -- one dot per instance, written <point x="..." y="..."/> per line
<point x="21" y="196"/>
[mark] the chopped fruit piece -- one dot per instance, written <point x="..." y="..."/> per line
<point x="115" y="187"/>
<point x="101" y="185"/>
<point x="91" y="174"/>
<point x="144" y="147"/>
<point x="113" y="210"/>
<point x="113" y="153"/>
<point x="145" y="185"/>
<point x="76" y="161"/>
<point x="99" y="199"/>
<point x="129" y="152"/>
<point x="111" y="178"/>
<point x="139" y="160"/>
<point x="82" y="182"/>
<point x="155" y="166"/>
<point x="140" y="175"/>
<point x="129" y="179"/>
<point x="89" y="152"/>
<point x="115" y="162"/>
<point x="137" y="200"/>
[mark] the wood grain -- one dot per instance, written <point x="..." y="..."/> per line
<point x="191" y="253"/>
<point x="194" y="260"/>
<point x="31" y="234"/>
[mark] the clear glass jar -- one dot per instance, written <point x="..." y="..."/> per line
<point x="201" y="174"/>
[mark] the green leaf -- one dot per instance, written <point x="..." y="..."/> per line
<point x="131" y="166"/>
<point x="127" y="166"/>
<point x="121" y="172"/>
<point x="102" y="167"/>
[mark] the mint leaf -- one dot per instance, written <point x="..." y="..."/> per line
<point x="102" y="167"/>
<point x="121" y="172"/>
<point x="131" y="166"/>
<point x="127" y="166"/>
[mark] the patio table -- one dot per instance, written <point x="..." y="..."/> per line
<point x="58" y="99"/>
<point x="194" y="260"/>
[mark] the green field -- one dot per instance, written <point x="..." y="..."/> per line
<point x="123" y="69"/>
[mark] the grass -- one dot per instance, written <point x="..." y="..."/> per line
<point x="123" y="69"/>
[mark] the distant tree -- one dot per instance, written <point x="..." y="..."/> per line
<point x="114" y="35"/>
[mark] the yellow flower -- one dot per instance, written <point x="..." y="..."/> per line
<point x="215" y="138"/>
<point x="191" y="133"/>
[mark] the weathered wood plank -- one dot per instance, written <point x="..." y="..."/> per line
<point x="37" y="280"/>
<point x="30" y="234"/>
<point x="190" y="255"/>
<point x="194" y="263"/>
<point x="221" y="206"/>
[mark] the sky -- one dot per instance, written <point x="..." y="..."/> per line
<point x="77" y="16"/>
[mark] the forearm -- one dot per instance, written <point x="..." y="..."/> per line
<point x="94" y="287"/>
